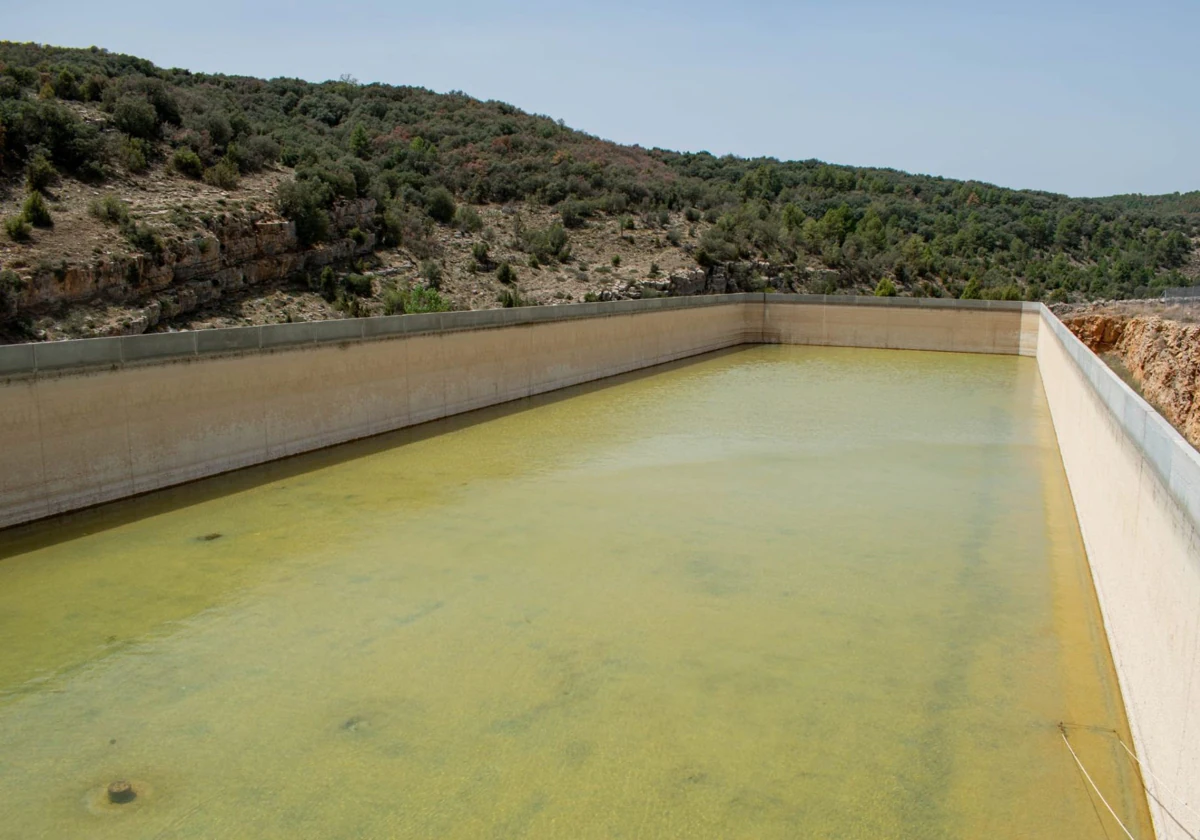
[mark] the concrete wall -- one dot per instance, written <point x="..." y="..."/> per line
<point x="165" y="413"/>
<point x="958" y="326"/>
<point x="1136" y="487"/>
<point x="90" y="421"/>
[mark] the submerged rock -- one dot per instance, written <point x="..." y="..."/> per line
<point x="120" y="793"/>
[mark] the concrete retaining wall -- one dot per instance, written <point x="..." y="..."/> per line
<point x="90" y="421"/>
<point x="138" y="414"/>
<point x="1136" y="487"/>
<point x="959" y="326"/>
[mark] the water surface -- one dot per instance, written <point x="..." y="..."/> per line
<point x="777" y="592"/>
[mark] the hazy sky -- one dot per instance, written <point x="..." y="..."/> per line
<point x="1086" y="98"/>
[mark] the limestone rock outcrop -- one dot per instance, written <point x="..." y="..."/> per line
<point x="1162" y="355"/>
<point x="231" y="254"/>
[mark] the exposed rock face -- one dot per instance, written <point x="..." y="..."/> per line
<point x="1162" y="355"/>
<point x="232" y="254"/>
<point x="1099" y="332"/>
<point x="698" y="281"/>
<point x="719" y="280"/>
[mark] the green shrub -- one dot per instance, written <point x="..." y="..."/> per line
<point x="692" y="214"/>
<point x="255" y="152"/>
<point x="358" y="284"/>
<point x="186" y="162"/>
<point x="719" y="246"/>
<point x="674" y="237"/>
<point x="17" y="228"/>
<point x="511" y="299"/>
<point x="223" y="176"/>
<point x="23" y="76"/>
<point x="885" y="288"/>
<point x="304" y="203"/>
<point x="467" y="219"/>
<point x="409" y="227"/>
<point x="136" y="117"/>
<point x="135" y="154"/>
<point x="573" y="213"/>
<point x="350" y="304"/>
<point x="614" y="203"/>
<point x="439" y="204"/>
<point x="143" y="238"/>
<point x="479" y="252"/>
<point x="360" y="176"/>
<point x="11" y="285"/>
<point x="591" y="297"/>
<point x="413" y="301"/>
<point x="360" y="142"/>
<point x="547" y="245"/>
<point x="339" y="180"/>
<point x="110" y="209"/>
<point x="626" y="223"/>
<point x="971" y="291"/>
<point x="431" y="273"/>
<point x="1009" y="291"/>
<point x="237" y="158"/>
<point x="217" y="126"/>
<point x="505" y="274"/>
<point x="325" y="283"/>
<point x="92" y="89"/>
<point x="35" y="211"/>
<point x="616" y="261"/>
<point x="65" y="85"/>
<point x="655" y="271"/>
<point x="358" y="235"/>
<point x="426" y="300"/>
<point x="40" y="172"/>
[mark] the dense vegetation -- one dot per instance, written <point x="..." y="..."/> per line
<point x="425" y="157"/>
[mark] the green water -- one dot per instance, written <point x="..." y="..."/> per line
<point x="778" y="592"/>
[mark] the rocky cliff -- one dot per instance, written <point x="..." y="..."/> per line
<point x="232" y="253"/>
<point x="726" y="278"/>
<point x="1162" y="355"/>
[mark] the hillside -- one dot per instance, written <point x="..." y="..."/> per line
<point x="137" y="198"/>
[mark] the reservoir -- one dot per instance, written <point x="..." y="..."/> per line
<point x="773" y="592"/>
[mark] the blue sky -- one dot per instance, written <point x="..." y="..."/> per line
<point x="1083" y="98"/>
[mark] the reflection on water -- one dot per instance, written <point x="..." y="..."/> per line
<point x="777" y="592"/>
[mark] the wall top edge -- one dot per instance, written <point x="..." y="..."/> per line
<point x="33" y="357"/>
<point x="905" y="302"/>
